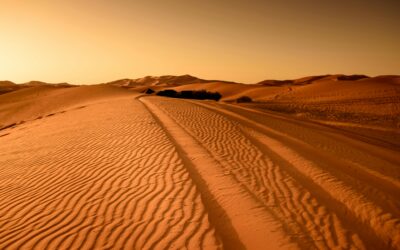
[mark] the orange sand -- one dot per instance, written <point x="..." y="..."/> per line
<point x="104" y="167"/>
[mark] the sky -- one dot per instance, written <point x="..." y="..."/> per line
<point x="95" y="41"/>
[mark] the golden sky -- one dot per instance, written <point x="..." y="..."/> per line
<point x="94" y="41"/>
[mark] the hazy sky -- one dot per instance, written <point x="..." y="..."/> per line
<point x="93" y="41"/>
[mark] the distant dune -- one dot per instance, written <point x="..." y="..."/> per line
<point x="167" y="80"/>
<point x="357" y="99"/>
<point x="157" y="80"/>
<point x="311" y="163"/>
<point x="335" y="99"/>
<point x="7" y="86"/>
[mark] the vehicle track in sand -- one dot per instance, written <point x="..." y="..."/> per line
<point x="325" y="190"/>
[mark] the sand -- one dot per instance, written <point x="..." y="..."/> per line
<point x="373" y="101"/>
<point x="104" y="167"/>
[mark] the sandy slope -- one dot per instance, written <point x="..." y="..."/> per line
<point x="37" y="102"/>
<point x="112" y="169"/>
<point x="101" y="176"/>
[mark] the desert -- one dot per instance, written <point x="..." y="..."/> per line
<point x="298" y="165"/>
<point x="199" y="125"/>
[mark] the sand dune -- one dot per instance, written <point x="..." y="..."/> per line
<point x="373" y="101"/>
<point x="367" y="101"/>
<point x="104" y="167"/>
<point x="8" y="86"/>
<point x="167" y="80"/>
<point x="41" y="101"/>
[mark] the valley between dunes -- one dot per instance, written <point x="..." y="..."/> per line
<point x="105" y="167"/>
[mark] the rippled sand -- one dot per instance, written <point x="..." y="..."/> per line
<point x="105" y="168"/>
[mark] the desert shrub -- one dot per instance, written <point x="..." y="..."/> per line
<point x="149" y="91"/>
<point x="187" y="94"/>
<point x="243" y="99"/>
<point x="191" y="94"/>
<point x="168" y="93"/>
<point x="215" y="96"/>
<point x="203" y="95"/>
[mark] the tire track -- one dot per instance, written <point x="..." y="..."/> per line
<point x="309" y="216"/>
<point x="355" y="204"/>
<point x="252" y="231"/>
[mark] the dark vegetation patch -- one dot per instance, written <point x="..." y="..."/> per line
<point x="168" y="93"/>
<point x="191" y="94"/>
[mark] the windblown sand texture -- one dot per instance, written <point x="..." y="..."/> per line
<point x="103" y="167"/>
